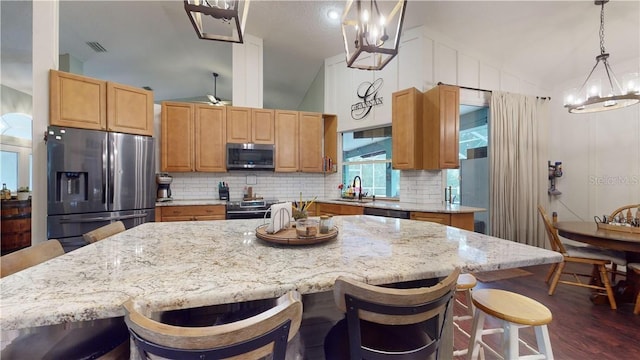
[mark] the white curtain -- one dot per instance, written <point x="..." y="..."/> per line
<point x="518" y="166"/>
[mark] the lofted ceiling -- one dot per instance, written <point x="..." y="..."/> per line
<point x="152" y="43"/>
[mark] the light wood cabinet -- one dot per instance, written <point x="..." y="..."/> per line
<point x="129" y="109"/>
<point x="193" y="137"/>
<point x="299" y="144"/>
<point x="190" y="213"/>
<point x="407" y="119"/>
<point x="441" y="128"/>
<point x="338" y="209"/>
<point x="310" y="141"/>
<point x="77" y="101"/>
<point x="210" y="138"/>
<point x="286" y="148"/>
<point x="83" y="102"/>
<point x="248" y="125"/>
<point x="331" y="138"/>
<point x="459" y="220"/>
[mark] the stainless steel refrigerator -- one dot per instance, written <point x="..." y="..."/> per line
<point x="96" y="178"/>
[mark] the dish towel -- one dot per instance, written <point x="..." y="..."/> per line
<point x="280" y="217"/>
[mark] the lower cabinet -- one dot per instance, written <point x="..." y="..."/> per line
<point x="338" y="209"/>
<point x="190" y="213"/>
<point x="459" y="220"/>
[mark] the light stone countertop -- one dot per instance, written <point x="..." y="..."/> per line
<point x="172" y="265"/>
<point x="379" y="204"/>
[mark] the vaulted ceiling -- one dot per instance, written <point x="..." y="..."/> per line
<point x="152" y="43"/>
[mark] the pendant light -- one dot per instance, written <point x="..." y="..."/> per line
<point x="593" y="95"/>
<point x="223" y="20"/>
<point x="371" y="32"/>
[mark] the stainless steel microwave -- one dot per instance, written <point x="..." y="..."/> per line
<point x="250" y="156"/>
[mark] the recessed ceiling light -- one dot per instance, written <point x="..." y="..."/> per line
<point x="333" y="14"/>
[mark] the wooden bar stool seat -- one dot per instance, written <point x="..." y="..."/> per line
<point x="464" y="285"/>
<point x="516" y="311"/>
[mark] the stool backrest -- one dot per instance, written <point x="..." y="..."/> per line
<point x="33" y="255"/>
<point x="254" y="337"/>
<point x="390" y="306"/>
<point x="103" y="232"/>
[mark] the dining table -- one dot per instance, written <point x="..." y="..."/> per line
<point x="588" y="232"/>
<point x="178" y="265"/>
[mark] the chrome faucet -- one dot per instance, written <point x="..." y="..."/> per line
<point x="360" y="184"/>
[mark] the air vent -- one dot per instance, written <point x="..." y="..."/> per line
<point x="96" y="46"/>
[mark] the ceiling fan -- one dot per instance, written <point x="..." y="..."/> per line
<point x="214" y="99"/>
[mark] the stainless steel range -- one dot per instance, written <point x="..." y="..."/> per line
<point x="249" y="209"/>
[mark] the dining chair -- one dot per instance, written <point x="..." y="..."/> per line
<point x="382" y="322"/>
<point x="598" y="258"/>
<point x="27" y="257"/>
<point x="103" y="232"/>
<point x="252" y="338"/>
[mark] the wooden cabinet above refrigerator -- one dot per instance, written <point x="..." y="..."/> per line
<point x="82" y="102"/>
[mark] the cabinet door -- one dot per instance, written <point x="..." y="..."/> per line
<point x="210" y="138"/>
<point x="310" y="141"/>
<point x="286" y="141"/>
<point x="238" y="125"/>
<point x="177" y="137"/>
<point x="77" y="101"/>
<point x="440" y="218"/>
<point x="407" y="127"/>
<point x="262" y="126"/>
<point x="450" y="126"/>
<point x="441" y="126"/>
<point x="129" y="109"/>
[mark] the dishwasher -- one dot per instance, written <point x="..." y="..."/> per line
<point x="399" y="214"/>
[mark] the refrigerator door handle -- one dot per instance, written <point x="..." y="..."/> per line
<point x="112" y="169"/>
<point x="103" y="218"/>
<point x="105" y="162"/>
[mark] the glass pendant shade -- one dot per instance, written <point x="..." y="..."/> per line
<point x="371" y="32"/>
<point x="604" y="92"/>
<point x="221" y="20"/>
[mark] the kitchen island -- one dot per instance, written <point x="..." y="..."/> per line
<point x="190" y="264"/>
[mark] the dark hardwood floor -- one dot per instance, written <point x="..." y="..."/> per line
<point x="579" y="330"/>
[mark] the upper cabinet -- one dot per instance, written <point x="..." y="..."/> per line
<point x="441" y="128"/>
<point x="249" y="125"/>
<point x="299" y="141"/>
<point x="407" y="129"/>
<point x="193" y="137"/>
<point x="425" y="128"/>
<point x="83" y="102"/>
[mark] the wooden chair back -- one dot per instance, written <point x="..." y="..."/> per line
<point x="33" y="255"/>
<point x="253" y="338"/>
<point x="103" y="232"/>
<point x="390" y="306"/>
<point x="552" y="232"/>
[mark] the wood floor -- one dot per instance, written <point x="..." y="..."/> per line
<point x="580" y="330"/>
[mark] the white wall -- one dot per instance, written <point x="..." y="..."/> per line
<point x="600" y="155"/>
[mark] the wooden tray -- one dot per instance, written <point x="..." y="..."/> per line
<point x="626" y="229"/>
<point x="289" y="237"/>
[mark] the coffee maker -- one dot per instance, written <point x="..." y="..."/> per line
<point x="164" y="187"/>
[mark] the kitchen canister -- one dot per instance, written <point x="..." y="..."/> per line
<point x="326" y="223"/>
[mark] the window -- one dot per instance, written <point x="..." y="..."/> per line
<point x="368" y="154"/>
<point x="9" y="167"/>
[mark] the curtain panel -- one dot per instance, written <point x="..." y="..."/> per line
<point x="518" y="155"/>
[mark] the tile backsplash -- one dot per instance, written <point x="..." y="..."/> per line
<point x="419" y="187"/>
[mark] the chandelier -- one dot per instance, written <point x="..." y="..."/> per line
<point x="221" y="20"/>
<point x="371" y="32"/>
<point x="589" y="97"/>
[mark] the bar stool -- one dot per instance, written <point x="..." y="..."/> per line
<point x="516" y="311"/>
<point x="464" y="285"/>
